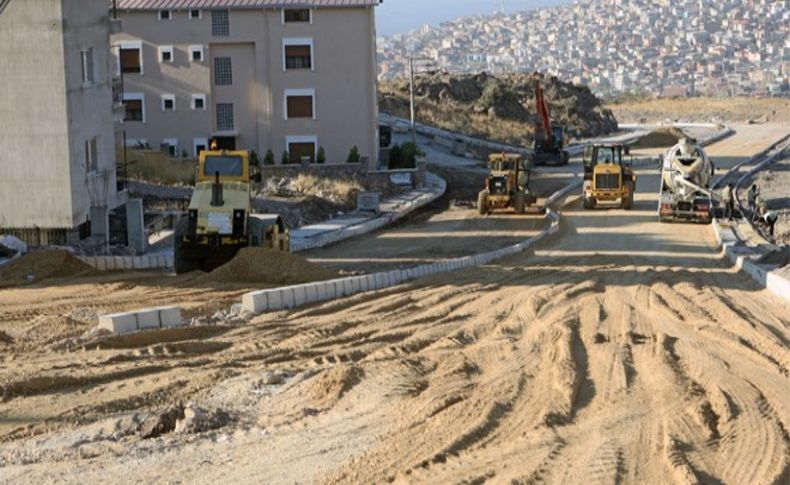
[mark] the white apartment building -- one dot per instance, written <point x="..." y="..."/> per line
<point x="281" y="75"/>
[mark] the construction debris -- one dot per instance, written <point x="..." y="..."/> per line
<point x="39" y="265"/>
<point x="266" y="266"/>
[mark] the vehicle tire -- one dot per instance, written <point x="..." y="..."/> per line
<point x="482" y="202"/>
<point x="519" y="202"/>
<point x="628" y="202"/>
<point x="181" y="264"/>
<point x="566" y="157"/>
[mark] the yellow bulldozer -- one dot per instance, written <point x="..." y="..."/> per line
<point x="507" y="184"/>
<point x="608" y="177"/>
<point x="220" y="221"/>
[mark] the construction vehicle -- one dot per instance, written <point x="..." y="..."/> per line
<point x="549" y="148"/>
<point x="608" y="177"/>
<point x="507" y="184"/>
<point x="220" y="221"/>
<point x="686" y="174"/>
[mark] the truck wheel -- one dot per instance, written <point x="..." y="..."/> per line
<point x="181" y="264"/>
<point x="482" y="202"/>
<point x="519" y="202"/>
<point x="565" y="158"/>
<point x="628" y="202"/>
<point x="588" y="203"/>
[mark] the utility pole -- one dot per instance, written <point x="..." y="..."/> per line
<point x="411" y="95"/>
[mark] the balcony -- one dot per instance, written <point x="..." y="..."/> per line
<point x="118" y="108"/>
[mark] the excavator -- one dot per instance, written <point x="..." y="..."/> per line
<point x="549" y="146"/>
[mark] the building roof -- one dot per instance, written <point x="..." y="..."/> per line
<point x="236" y="4"/>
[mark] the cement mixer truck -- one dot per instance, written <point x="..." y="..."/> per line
<point x="686" y="175"/>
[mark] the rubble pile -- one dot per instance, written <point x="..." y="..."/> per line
<point x="498" y="107"/>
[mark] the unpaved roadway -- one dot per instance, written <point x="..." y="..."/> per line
<point x="621" y="350"/>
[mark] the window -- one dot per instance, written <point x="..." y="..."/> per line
<point x="196" y="53"/>
<point x="296" y="15"/>
<point x="220" y="23"/>
<point x="170" y="146"/>
<point x="195" y="15"/>
<point x="299" y="103"/>
<point x="298" y="54"/>
<point x="91" y="155"/>
<point x="134" y="105"/>
<point x="199" y="101"/>
<point x="131" y="59"/>
<point x="226" y="165"/>
<point x="165" y="15"/>
<point x="223" y="71"/>
<point x="168" y="102"/>
<point x="301" y="146"/>
<point x="87" y="66"/>
<point x="225" y="117"/>
<point x="199" y="145"/>
<point x="166" y="53"/>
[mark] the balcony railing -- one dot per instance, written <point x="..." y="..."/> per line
<point x="117" y="91"/>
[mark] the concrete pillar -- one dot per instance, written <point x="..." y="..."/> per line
<point x="135" y="227"/>
<point x="100" y="224"/>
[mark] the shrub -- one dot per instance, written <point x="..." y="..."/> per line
<point x="268" y="159"/>
<point x="254" y="160"/>
<point x="286" y="158"/>
<point x="321" y="157"/>
<point x="403" y="156"/>
<point x="353" y="155"/>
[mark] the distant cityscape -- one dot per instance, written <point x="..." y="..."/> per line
<point x="665" y="48"/>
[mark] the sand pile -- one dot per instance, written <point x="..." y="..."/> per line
<point x="39" y="265"/>
<point x="258" y="265"/>
<point x="661" y="138"/>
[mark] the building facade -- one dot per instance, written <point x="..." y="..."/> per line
<point x="56" y="110"/>
<point x="285" y="76"/>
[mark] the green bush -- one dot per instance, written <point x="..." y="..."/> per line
<point x="254" y="160"/>
<point x="403" y="156"/>
<point x="268" y="159"/>
<point x="286" y="158"/>
<point x="321" y="157"/>
<point x="353" y="155"/>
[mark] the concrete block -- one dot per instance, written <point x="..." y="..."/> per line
<point x="394" y="277"/>
<point x="289" y="300"/>
<point x="274" y="299"/>
<point x="311" y="292"/>
<point x="348" y="287"/>
<point x="118" y="322"/>
<point x="109" y="264"/>
<point x="170" y="317"/>
<point x="148" y="318"/>
<point x="100" y="264"/>
<point x="320" y="292"/>
<point x="300" y="295"/>
<point x="118" y="262"/>
<point x="340" y="288"/>
<point x="170" y="261"/>
<point x="371" y="279"/>
<point x="146" y="262"/>
<point x="128" y="263"/>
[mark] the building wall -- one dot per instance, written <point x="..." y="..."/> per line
<point x="47" y="114"/>
<point x="343" y="77"/>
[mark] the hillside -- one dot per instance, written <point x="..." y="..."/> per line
<point x="499" y="108"/>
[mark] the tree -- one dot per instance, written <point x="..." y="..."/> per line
<point x="254" y="160"/>
<point x="268" y="159"/>
<point x="321" y="156"/>
<point x="353" y="155"/>
<point x="286" y="158"/>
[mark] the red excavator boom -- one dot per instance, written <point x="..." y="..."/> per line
<point x="543" y="112"/>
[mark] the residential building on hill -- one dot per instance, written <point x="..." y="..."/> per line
<point x="279" y="75"/>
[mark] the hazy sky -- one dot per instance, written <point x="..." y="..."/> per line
<point x="400" y="16"/>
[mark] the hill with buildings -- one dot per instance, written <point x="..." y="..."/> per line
<point x="672" y="48"/>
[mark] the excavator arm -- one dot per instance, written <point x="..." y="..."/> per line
<point x="543" y="112"/>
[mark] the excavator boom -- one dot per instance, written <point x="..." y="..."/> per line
<point x="543" y="112"/>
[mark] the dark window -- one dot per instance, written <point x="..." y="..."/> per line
<point x="298" y="57"/>
<point x="197" y="55"/>
<point x="298" y="150"/>
<point x="169" y="104"/>
<point x="130" y="61"/>
<point x="224" y="116"/>
<point x="200" y="103"/>
<point x="167" y="56"/>
<point x="91" y="155"/>
<point x="220" y="23"/>
<point x="134" y="110"/>
<point x="164" y="15"/>
<point x="297" y="15"/>
<point x="87" y="66"/>
<point x="300" y="106"/>
<point x="223" y="71"/>
<point x="228" y="166"/>
<point x="194" y="14"/>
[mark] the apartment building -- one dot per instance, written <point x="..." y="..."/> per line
<point x="283" y="75"/>
<point x="57" y="160"/>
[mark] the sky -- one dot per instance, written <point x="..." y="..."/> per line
<point x="400" y="16"/>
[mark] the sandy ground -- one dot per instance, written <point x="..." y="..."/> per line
<point x="730" y="110"/>
<point x="620" y="350"/>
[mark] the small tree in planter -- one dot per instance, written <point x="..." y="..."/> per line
<point x="286" y="158"/>
<point x="254" y="160"/>
<point x="353" y="155"/>
<point x="268" y="159"/>
<point x="395" y="157"/>
<point x="321" y="156"/>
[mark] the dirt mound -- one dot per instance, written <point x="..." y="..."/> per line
<point x="258" y="265"/>
<point x="39" y="265"/>
<point x="498" y="107"/>
<point x="332" y="384"/>
<point x="661" y="138"/>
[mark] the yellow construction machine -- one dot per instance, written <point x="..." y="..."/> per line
<point x="507" y="184"/>
<point x="220" y="220"/>
<point x="607" y="176"/>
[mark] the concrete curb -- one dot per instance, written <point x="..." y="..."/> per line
<point x="374" y="224"/>
<point x="743" y="258"/>
<point x="128" y="263"/>
<point x="145" y="319"/>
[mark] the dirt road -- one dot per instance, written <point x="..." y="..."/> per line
<point x="620" y="351"/>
